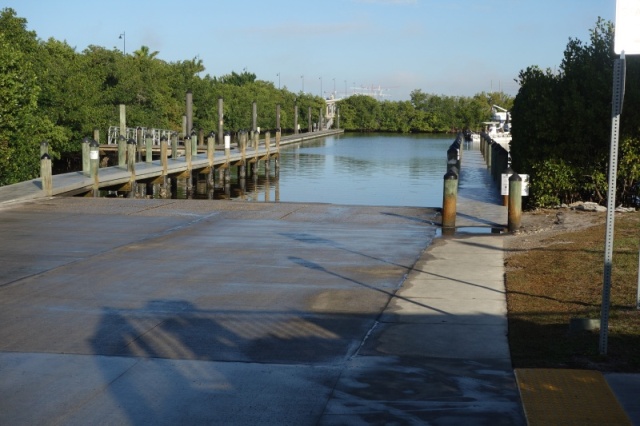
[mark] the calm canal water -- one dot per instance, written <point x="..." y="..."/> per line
<point x="361" y="169"/>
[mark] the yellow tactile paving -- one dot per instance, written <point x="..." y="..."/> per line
<point x="568" y="397"/>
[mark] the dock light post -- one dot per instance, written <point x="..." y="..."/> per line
<point x="123" y="37"/>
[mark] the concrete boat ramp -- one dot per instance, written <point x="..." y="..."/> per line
<point x="123" y="311"/>
<point x="165" y="312"/>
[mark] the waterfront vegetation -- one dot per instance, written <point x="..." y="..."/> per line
<point x="562" y="125"/>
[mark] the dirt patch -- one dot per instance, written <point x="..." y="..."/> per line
<point x="540" y="225"/>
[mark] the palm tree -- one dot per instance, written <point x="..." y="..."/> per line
<point x="145" y="53"/>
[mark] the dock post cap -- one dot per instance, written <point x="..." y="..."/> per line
<point x="131" y="142"/>
<point x="450" y="175"/>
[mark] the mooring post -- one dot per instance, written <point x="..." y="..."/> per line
<point x="227" y="145"/>
<point x="86" y="161"/>
<point x="94" y="155"/>
<point x="276" y="158"/>
<point x="163" y="157"/>
<point x="220" y="122"/>
<point x="211" y="149"/>
<point x="254" y="116"/>
<point x="44" y="148"/>
<point x="122" y="151"/>
<point x="504" y="185"/>
<point x="452" y="157"/>
<point x="309" y="117"/>
<point x="188" y="151"/>
<point x="123" y="122"/>
<point x="515" y="202"/>
<point x="131" y="166"/>
<point x="194" y="143"/>
<point x="242" y="173"/>
<point x="45" y="174"/>
<point x="295" y="118"/>
<point x="96" y="135"/>
<point x="449" y="199"/>
<point x="189" y="113"/>
<point x="489" y="156"/>
<point x="267" y="144"/>
<point x="148" y="148"/>
<point x="174" y="146"/>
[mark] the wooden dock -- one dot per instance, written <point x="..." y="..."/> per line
<point x="155" y="171"/>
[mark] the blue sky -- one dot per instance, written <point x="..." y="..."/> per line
<point x="444" y="47"/>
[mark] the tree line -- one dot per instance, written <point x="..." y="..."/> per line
<point x="50" y="92"/>
<point x="562" y="125"/>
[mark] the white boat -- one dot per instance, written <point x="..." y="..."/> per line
<point x="499" y="128"/>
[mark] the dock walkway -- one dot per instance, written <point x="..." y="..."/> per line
<point x="133" y="311"/>
<point x="77" y="182"/>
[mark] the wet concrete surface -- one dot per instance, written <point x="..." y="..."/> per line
<point x="119" y="311"/>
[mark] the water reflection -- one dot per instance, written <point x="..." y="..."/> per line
<point x="369" y="169"/>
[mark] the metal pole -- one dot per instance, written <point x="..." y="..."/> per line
<point x="616" y="111"/>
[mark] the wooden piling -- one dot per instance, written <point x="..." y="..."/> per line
<point x="242" y="173"/>
<point x="309" y="118"/>
<point x="131" y="166"/>
<point x="94" y="156"/>
<point x="295" y="118"/>
<point x="174" y="146"/>
<point x="188" y="151"/>
<point x="449" y="200"/>
<point x="254" y="117"/>
<point x="148" y="148"/>
<point x="44" y="148"/>
<point x="515" y="202"/>
<point x="211" y="149"/>
<point x="123" y="124"/>
<point x="220" y="122"/>
<point x="194" y="143"/>
<point x="122" y="151"/>
<point x="163" y="157"/>
<point x="211" y="140"/>
<point x="46" y="174"/>
<point x="227" y="145"/>
<point x="189" y="110"/>
<point x="86" y="161"/>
